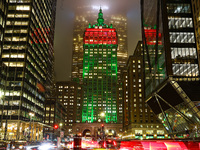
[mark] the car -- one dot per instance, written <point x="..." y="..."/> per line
<point x="111" y="144"/>
<point x="18" y="145"/>
<point x="47" y="146"/>
<point x="32" y="146"/>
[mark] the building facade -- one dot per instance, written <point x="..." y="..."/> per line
<point x="171" y="64"/>
<point x="70" y="94"/>
<point x="3" y="6"/>
<point x="95" y="130"/>
<point x="196" y="17"/>
<point x="55" y="114"/>
<point x="125" y="98"/>
<point x="140" y="121"/>
<point x="81" y="22"/>
<point x="3" y="10"/>
<point x="27" y="36"/>
<point x="50" y="78"/>
<point x="100" y="73"/>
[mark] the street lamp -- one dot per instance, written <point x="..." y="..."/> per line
<point x="61" y="132"/>
<point x="102" y="126"/>
<point x="102" y="114"/>
<point x="1" y="94"/>
<point x="31" y="114"/>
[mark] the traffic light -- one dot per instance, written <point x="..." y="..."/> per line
<point x="102" y="126"/>
<point x="55" y="126"/>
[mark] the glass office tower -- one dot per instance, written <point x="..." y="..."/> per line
<point x="171" y="63"/>
<point x="100" y="73"/>
<point x="196" y="16"/>
<point x="27" y="44"/>
<point x="2" y="20"/>
<point x="3" y="11"/>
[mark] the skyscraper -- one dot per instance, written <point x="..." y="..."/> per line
<point x="100" y="72"/>
<point x="3" y="10"/>
<point x="196" y="16"/>
<point x="70" y="94"/>
<point x="2" y="20"/>
<point x="140" y="122"/>
<point x="83" y="16"/>
<point x="27" y="46"/>
<point x="171" y="63"/>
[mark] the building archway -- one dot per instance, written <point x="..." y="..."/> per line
<point x="87" y="132"/>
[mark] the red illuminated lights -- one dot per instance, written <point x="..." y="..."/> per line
<point x="159" y="144"/>
<point x="100" y="36"/>
<point x="40" y="35"/>
<point x="104" y="144"/>
<point x="114" y="143"/>
<point x="55" y="126"/>
<point x="150" y="35"/>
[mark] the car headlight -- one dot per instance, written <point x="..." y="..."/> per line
<point x="45" y="146"/>
<point x="21" y="146"/>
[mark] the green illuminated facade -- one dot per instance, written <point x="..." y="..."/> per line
<point x="100" y="73"/>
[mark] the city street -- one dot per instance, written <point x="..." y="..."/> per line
<point x="99" y="74"/>
<point x="81" y="143"/>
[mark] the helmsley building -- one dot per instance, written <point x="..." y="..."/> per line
<point x="100" y="78"/>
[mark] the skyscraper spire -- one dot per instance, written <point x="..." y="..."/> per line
<point x="100" y="19"/>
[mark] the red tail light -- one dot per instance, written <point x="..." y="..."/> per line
<point x="115" y="143"/>
<point x="104" y="144"/>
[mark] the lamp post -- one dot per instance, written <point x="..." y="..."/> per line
<point x="103" y="115"/>
<point x="61" y="135"/>
<point x="31" y="114"/>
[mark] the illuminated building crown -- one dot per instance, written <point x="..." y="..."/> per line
<point x="100" y="21"/>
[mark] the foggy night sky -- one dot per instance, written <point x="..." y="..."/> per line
<point x="64" y="29"/>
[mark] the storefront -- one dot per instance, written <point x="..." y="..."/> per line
<point x="21" y="130"/>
